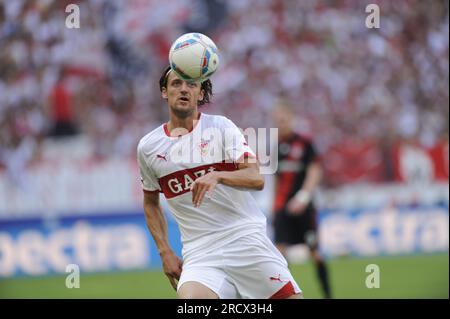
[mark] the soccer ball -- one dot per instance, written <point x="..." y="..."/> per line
<point x="194" y="57"/>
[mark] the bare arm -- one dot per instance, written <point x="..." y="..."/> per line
<point x="301" y="200"/>
<point x="247" y="176"/>
<point x="313" y="177"/>
<point x="157" y="225"/>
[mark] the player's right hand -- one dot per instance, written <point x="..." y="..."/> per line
<point x="172" y="266"/>
<point x="295" y="207"/>
<point x="203" y="186"/>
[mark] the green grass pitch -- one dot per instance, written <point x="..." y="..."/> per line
<point x="423" y="276"/>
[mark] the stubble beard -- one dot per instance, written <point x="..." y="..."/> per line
<point x="182" y="114"/>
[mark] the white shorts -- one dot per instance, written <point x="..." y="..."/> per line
<point x="249" y="267"/>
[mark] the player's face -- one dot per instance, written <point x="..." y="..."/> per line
<point x="182" y="96"/>
<point x="283" y="120"/>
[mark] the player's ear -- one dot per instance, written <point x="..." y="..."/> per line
<point x="164" y="93"/>
<point x="201" y="95"/>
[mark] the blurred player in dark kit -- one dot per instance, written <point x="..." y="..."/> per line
<point x="298" y="175"/>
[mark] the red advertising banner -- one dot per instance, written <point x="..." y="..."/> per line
<point x="416" y="163"/>
<point x="353" y="161"/>
<point x="362" y="161"/>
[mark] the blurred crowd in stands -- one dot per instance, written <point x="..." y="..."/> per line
<point x="348" y="83"/>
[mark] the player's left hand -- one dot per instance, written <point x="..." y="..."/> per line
<point x="201" y="186"/>
<point x="295" y="207"/>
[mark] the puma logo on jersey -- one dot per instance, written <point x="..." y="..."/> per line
<point x="162" y="156"/>
<point x="277" y="278"/>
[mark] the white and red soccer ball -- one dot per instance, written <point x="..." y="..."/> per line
<point x="194" y="57"/>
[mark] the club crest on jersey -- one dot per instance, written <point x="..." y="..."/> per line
<point x="204" y="146"/>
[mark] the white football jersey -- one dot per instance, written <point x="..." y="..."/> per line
<point x="171" y="164"/>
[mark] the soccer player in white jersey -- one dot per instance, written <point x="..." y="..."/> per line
<point x="226" y="252"/>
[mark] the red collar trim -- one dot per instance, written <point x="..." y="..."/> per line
<point x="166" y="130"/>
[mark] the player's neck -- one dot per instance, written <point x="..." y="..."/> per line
<point x="180" y="126"/>
<point x="285" y="134"/>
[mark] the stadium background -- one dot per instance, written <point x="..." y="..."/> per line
<point x="74" y="103"/>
